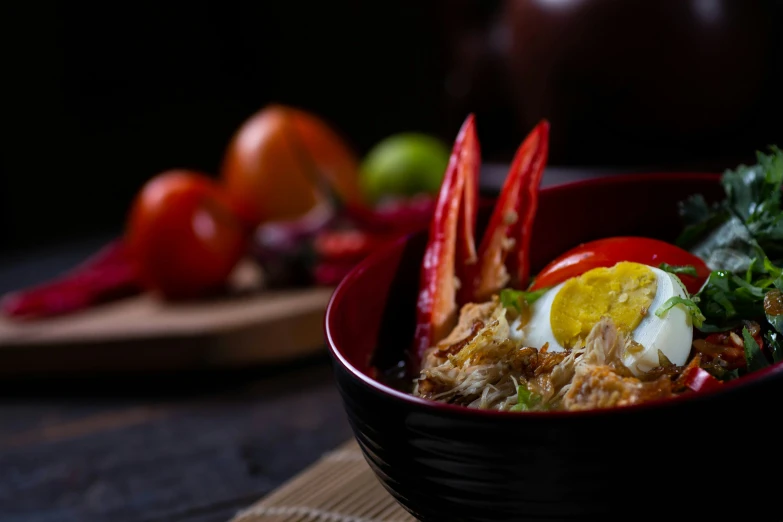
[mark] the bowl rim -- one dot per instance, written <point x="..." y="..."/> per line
<point x="338" y="296"/>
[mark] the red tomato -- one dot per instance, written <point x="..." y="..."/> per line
<point x="607" y="252"/>
<point x="184" y="235"/>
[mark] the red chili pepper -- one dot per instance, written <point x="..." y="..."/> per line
<point x="698" y="379"/>
<point x="609" y="251"/>
<point x="527" y="208"/>
<point x="450" y="259"/>
<point x="512" y="220"/>
<point x="107" y="275"/>
<point x="399" y="216"/>
<point x="437" y="302"/>
<point x="347" y="244"/>
<point x="466" y="256"/>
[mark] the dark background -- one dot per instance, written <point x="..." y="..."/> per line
<point x="101" y="97"/>
<point x="98" y="98"/>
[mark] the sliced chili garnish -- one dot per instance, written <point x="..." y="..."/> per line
<point x="512" y="219"/>
<point x="437" y="306"/>
<point x="466" y="257"/>
<point x="698" y="379"/>
<point x="526" y="210"/>
<point x="453" y="271"/>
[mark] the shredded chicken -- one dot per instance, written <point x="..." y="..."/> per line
<point x="478" y="365"/>
<point x="473" y="316"/>
<point x="601" y="380"/>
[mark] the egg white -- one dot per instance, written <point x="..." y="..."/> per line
<point x="672" y="333"/>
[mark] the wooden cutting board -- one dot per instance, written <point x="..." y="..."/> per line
<point x="141" y="333"/>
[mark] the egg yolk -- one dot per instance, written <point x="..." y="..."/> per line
<point x="623" y="293"/>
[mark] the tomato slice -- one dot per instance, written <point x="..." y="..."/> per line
<point x="609" y="251"/>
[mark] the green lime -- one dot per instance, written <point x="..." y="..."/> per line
<point x="404" y="164"/>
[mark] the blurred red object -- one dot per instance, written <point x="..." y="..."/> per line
<point x="185" y="234"/>
<point x="324" y="249"/>
<point x="338" y="249"/>
<point x="109" y="274"/>
<point x="321" y="247"/>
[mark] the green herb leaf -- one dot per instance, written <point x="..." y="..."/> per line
<point x="748" y="222"/>
<point x="511" y="298"/>
<point x="773" y="340"/>
<point x="526" y="400"/>
<point x="754" y="358"/>
<point x="726" y="299"/>
<point x="753" y="192"/>
<point x="699" y="219"/>
<point x="691" y="307"/>
<point x="678" y="269"/>
<point x="746" y="225"/>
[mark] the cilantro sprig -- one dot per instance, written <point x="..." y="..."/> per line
<point x="526" y="399"/>
<point x="747" y="224"/>
<point x="741" y="238"/>
<point x="678" y="269"/>
<point x="513" y="299"/>
<point x="690" y="306"/>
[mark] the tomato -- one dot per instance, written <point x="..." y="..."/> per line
<point x="607" y="252"/>
<point x="185" y="235"/>
<point x="282" y="161"/>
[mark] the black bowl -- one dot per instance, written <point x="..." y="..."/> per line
<point x="704" y="455"/>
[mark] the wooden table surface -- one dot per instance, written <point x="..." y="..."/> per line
<point x="194" y="447"/>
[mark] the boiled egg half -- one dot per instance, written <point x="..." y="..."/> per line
<point x="629" y="294"/>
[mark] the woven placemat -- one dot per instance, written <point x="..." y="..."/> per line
<point x="339" y="487"/>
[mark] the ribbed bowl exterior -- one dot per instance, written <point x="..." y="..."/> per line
<point x="697" y="460"/>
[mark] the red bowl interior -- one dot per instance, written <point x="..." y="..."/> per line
<point x="371" y="316"/>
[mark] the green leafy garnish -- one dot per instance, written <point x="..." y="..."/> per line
<point x="755" y="360"/>
<point x="699" y="218"/>
<point x="729" y="234"/>
<point x="726" y="299"/>
<point x="678" y="269"/>
<point x="526" y="400"/>
<point x="511" y="298"/>
<point x="690" y="305"/>
<point x="741" y="239"/>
